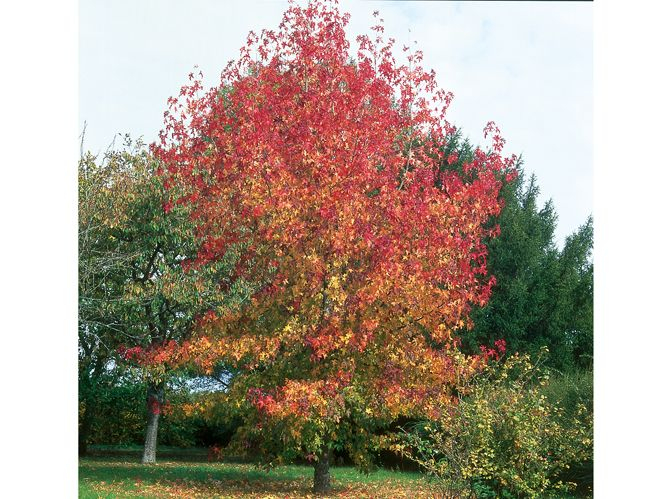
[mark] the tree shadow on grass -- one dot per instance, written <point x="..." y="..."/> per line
<point x="120" y="478"/>
<point x="199" y="478"/>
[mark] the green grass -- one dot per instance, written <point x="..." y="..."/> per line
<point x="164" y="452"/>
<point x="117" y="476"/>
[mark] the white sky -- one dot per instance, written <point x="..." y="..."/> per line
<point x="525" y="65"/>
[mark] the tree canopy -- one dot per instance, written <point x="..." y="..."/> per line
<point x="137" y="301"/>
<point x="323" y="172"/>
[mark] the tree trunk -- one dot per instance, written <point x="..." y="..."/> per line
<point x="155" y="397"/>
<point x="322" y="472"/>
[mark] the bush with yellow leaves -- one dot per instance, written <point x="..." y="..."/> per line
<point x="503" y="437"/>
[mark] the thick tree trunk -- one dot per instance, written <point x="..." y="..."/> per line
<point x="322" y="472"/>
<point x="155" y="397"/>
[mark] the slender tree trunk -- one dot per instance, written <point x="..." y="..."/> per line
<point x="322" y="472"/>
<point x="155" y="397"/>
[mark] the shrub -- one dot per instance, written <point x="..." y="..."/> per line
<point x="503" y="438"/>
<point x="120" y="416"/>
<point x="571" y="390"/>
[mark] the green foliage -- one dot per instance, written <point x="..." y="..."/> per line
<point x="121" y="414"/>
<point x="505" y="437"/>
<point x="136" y="288"/>
<point x="133" y="242"/>
<point x="572" y="391"/>
<point x="97" y="377"/>
<point x="543" y="296"/>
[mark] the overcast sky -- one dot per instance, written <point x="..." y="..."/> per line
<point x="525" y="65"/>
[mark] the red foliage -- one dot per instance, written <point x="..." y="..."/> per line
<point x="495" y="353"/>
<point x="167" y="352"/>
<point x="154" y="405"/>
<point x="330" y="172"/>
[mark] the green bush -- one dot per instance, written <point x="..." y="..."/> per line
<point x="504" y="437"/>
<point x="120" y="416"/>
<point x="571" y="390"/>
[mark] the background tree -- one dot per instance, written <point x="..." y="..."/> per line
<point x="366" y="255"/>
<point x="100" y="262"/>
<point x="577" y="286"/>
<point x="543" y="296"/>
<point x="136" y="297"/>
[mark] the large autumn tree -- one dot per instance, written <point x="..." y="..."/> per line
<point x="325" y="163"/>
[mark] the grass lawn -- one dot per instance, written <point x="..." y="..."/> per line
<point x="122" y="476"/>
